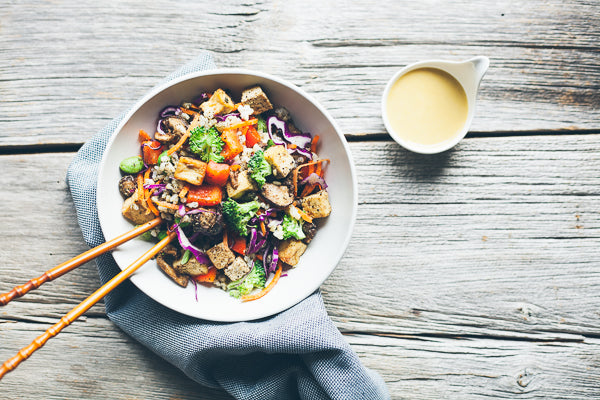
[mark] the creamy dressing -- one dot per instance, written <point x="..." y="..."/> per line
<point x="427" y="106"/>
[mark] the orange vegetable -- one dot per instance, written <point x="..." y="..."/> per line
<point x="235" y="167"/>
<point x="313" y="144"/>
<point x="296" y="173"/>
<point x="252" y="136"/>
<point x="184" y="191"/>
<point x="232" y="147"/>
<point x="205" y="195"/>
<point x="151" y="149"/>
<point x="216" y="174"/>
<point x="153" y="209"/>
<point x="207" y="277"/>
<point x="239" y="246"/>
<point x="225" y="239"/>
<point x="179" y="144"/>
<point x="250" y="297"/>
<point x="143" y="136"/>
<point x="252" y="121"/>
<point x="140" y="186"/>
<point x="166" y="205"/>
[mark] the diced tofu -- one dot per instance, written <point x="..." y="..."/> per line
<point x="281" y="161"/>
<point x="220" y="255"/>
<point x="257" y="99"/>
<point x="136" y="211"/>
<point x="192" y="267"/>
<point x="317" y="205"/>
<point x="239" y="183"/>
<point x="290" y="251"/>
<point x="219" y="103"/>
<point x="190" y="170"/>
<point x="237" y="269"/>
<point x="164" y="260"/>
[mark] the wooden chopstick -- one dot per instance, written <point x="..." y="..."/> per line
<point x="75" y="262"/>
<point x="85" y="305"/>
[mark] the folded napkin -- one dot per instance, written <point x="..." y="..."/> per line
<point x="296" y="354"/>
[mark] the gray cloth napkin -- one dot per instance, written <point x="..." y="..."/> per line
<point x="298" y="353"/>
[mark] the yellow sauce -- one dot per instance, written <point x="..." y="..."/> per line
<point x="427" y="106"/>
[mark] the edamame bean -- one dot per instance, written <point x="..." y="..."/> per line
<point x="132" y="165"/>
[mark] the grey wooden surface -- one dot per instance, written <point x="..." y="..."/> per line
<point x="471" y="274"/>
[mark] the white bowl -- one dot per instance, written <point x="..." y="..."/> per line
<point x="323" y="253"/>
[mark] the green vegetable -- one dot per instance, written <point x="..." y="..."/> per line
<point x="255" y="279"/>
<point x="270" y="143"/>
<point x="147" y="236"/>
<point x="186" y="257"/>
<point x="132" y="165"/>
<point x="207" y="144"/>
<point x="237" y="215"/>
<point x="259" y="168"/>
<point x="161" y="235"/>
<point x="261" y="125"/>
<point x="292" y="228"/>
<point x="163" y="155"/>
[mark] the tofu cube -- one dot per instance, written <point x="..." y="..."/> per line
<point x="237" y="269"/>
<point x="257" y="99"/>
<point x="240" y="183"/>
<point x="190" y="170"/>
<point x="290" y="251"/>
<point x="220" y="255"/>
<point x="281" y="161"/>
<point x="192" y="267"/>
<point x="219" y="103"/>
<point x="317" y="205"/>
<point x="136" y="210"/>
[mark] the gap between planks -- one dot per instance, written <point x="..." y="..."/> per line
<point x="351" y="137"/>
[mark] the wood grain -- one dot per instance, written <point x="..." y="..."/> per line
<point x="65" y="71"/>
<point x="506" y="306"/>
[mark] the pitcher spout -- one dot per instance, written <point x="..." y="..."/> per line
<point x="481" y="64"/>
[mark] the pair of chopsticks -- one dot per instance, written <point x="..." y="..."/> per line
<point x="85" y="305"/>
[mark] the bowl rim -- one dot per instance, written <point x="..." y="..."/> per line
<point x="241" y="71"/>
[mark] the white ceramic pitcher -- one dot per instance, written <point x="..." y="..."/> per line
<point x="468" y="73"/>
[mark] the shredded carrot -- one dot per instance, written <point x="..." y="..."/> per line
<point x="153" y="209"/>
<point x="296" y="172"/>
<point x="179" y="144"/>
<point x="304" y="215"/>
<point x="313" y="143"/>
<point x="319" y="170"/>
<point x="188" y="112"/>
<point x="236" y="106"/>
<point x="258" y="256"/>
<point x="307" y="190"/>
<point x="267" y="289"/>
<point x="291" y="146"/>
<point x="184" y="191"/>
<point x="252" y="121"/>
<point x="140" y="186"/>
<point x="262" y="228"/>
<point x="166" y="205"/>
<point x="143" y="135"/>
<point x="235" y="167"/>
<point x="225" y="240"/>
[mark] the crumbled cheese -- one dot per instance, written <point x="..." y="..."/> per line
<point x="278" y="232"/>
<point x="245" y="111"/>
<point x="294" y="212"/>
<point x="193" y="204"/>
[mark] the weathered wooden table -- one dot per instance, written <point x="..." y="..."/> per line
<point x="471" y="274"/>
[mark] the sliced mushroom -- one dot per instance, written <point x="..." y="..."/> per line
<point x="127" y="186"/>
<point x="208" y="221"/>
<point x="173" y="128"/>
<point x="278" y="195"/>
<point x="310" y="230"/>
<point x="165" y="259"/>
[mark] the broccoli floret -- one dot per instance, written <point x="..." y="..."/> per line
<point x="237" y="215"/>
<point x="259" y="168"/>
<point x="261" y="125"/>
<point x="255" y="279"/>
<point x="207" y="144"/>
<point x="292" y="228"/>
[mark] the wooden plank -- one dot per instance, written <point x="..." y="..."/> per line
<point x="65" y="71"/>
<point x="97" y="361"/>
<point x="527" y="247"/>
